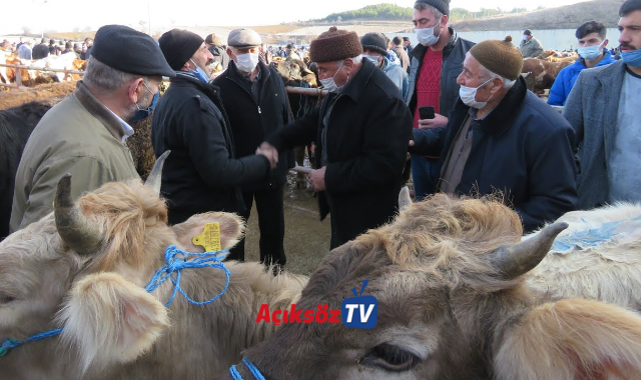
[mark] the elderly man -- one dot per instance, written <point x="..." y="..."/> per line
<point x="592" y="52"/>
<point x="203" y="172"/>
<point x="603" y="108"/>
<point x="85" y="133"/>
<point x="436" y="61"/>
<point x="503" y="138"/>
<point x="256" y="103"/>
<point x="359" y="130"/>
<point x="530" y="47"/>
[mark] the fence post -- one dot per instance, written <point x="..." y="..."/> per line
<point x="18" y="77"/>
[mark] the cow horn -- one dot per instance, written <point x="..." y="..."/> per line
<point x="154" y="178"/>
<point x="74" y="228"/>
<point x="515" y="260"/>
<point x="404" y="198"/>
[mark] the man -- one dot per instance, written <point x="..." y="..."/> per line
<point x="407" y="45"/>
<point x="397" y="47"/>
<point x="436" y="61"/>
<point x="530" y="47"/>
<point x="592" y="52"/>
<point x="25" y="50"/>
<point x="85" y="133"/>
<point x="358" y="130"/>
<point x="603" y="108"/>
<point x="216" y="49"/>
<point x="41" y="50"/>
<point x="89" y="45"/>
<point x="374" y="49"/>
<point x="503" y="138"/>
<point x="203" y="172"/>
<point x="290" y="52"/>
<point x="256" y="103"/>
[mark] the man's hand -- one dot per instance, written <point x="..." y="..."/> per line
<point x="269" y="151"/>
<point x="438" y="121"/>
<point x="317" y="179"/>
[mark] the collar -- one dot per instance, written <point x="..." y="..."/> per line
<point x="128" y="131"/>
<point x="354" y="87"/>
<point x="496" y="122"/>
<point x="99" y="111"/>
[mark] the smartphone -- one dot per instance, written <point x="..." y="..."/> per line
<point x="426" y="112"/>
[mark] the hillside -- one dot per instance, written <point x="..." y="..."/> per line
<point x="565" y="17"/>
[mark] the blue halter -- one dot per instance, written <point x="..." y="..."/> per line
<point x="174" y="267"/>
<point x="252" y="368"/>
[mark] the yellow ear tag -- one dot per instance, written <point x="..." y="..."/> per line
<point x="210" y="238"/>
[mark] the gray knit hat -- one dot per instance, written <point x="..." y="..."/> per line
<point x="443" y="6"/>
<point x="335" y="45"/>
<point x="374" y="41"/>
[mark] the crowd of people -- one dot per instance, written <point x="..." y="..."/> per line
<point x="30" y="49"/>
<point x="460" y="110"/>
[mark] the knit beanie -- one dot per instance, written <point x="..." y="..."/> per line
<point x="178" y="46"/>
<point x="335" y="45"/>
<point x="374" y="41"/>
<point x="500" y="57"/>
<point x="443" y="6"/>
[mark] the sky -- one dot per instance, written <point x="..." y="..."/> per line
<point x="65" y="15"/>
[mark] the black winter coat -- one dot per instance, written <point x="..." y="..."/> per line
<point x="367" y="137"/>
<point x="453" y="57"/>
<point x="252" y="122"/>
<point x="202" y="172"/>
<point x="523" y="148"/>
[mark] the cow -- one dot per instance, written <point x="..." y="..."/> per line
<point x="84" y="269"/>
<point x="295" y="73"/>
<point x="450" y="279"/>
<point x="16" y="125"/>
<point x="555" y="56"/>
<point x="542" y="73"/>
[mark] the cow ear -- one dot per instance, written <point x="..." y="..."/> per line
<point x="572" y="339"/>
<point x="232" y="228"/>
<point x="111" y="320"/>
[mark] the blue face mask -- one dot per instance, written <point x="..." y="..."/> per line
<point x="143" y="114"/>
<point x="200" y="73"/>
<point x="632" y="58"/>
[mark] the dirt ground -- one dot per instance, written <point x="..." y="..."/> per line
<point x="306" y="237"/>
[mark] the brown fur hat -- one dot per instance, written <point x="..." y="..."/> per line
<point x="335" y="45"/>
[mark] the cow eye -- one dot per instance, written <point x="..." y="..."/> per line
<point x="391" y="358"/>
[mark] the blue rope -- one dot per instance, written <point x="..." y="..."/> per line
<point x="174" y="266"/>
<point x="252" y="368"/>
<point x="588" y="238"/>
<point x="10" y="344"/>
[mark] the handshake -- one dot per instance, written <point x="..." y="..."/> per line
<point x="270" y="152"/>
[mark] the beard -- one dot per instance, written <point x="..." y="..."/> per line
<point x="142" y="104"/>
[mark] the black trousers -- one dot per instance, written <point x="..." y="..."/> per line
<point x="271" y="223"/>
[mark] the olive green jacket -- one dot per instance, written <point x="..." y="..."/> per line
<point x="77" y="136"/>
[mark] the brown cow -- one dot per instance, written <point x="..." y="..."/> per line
<point x="84" y="267"/>
<point x="542" y="73"/>
<point x="449" y="278"/>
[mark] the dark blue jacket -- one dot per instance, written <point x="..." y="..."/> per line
<point x="567" y="77"/>
<point x="523" y="148"/>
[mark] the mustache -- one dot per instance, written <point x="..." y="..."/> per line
<point x="627" y="46"/>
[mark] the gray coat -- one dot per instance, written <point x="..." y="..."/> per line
<point x="591" y="109"/>
<point x="531" y="48"/>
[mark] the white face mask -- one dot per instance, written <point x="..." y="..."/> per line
<point x="329" y="84"/>
<point x="589" y="52"/>
<point x="372" y="58"/>
<point x="426" y="36"/>
<point x="247" y="62"/>
<point x="468" y="96"/>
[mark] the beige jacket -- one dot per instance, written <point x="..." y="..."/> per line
<point x="77" y="136"/>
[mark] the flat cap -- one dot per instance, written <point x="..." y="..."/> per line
<point x="125" y="49"/>
<point x="212" y="39"/>
<point x="178" y="46"/>
<point x="243" y="38"/>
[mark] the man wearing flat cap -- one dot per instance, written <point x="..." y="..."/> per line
<point x="436" y="61"/>
<point x="217" y="50"/>
<point x="503" y="138"/>
<point x="254" y="97"/>
<point x="203" y="172"/>
<point x="85" y="133"/>
<point x="358" y="131"/>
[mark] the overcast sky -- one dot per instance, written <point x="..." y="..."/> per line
<point x="64" y="15"/>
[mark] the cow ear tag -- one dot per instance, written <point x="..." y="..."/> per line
<point x="209" y="238"/>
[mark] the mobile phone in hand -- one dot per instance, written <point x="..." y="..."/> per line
<point x="426" y="112"/>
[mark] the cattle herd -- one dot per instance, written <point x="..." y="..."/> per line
<point x="461" y="294"/>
